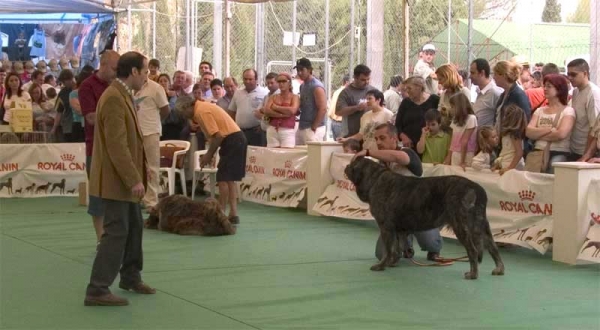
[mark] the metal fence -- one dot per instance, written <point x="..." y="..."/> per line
<point x="261" y="34"/>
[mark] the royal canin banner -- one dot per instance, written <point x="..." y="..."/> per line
<point x="41" y="170"/>
<point x="519" y="203"/>
<point x="274" y="176"/>
<point x="590" y="250"/>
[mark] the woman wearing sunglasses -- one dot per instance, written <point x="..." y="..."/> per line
<point x="281" y="112"/>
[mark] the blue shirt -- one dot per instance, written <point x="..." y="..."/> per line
<point x="308" y="103"/>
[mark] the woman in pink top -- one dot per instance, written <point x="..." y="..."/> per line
<point x="281" y="110"/>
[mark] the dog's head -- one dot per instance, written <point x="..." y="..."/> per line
<point x="363" y="172"/>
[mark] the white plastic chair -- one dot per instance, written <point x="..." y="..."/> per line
<point x="209" y="170"/>
<point x="173" y="170"/>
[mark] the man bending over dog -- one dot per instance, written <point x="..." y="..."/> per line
<point x="224" y="136"/>
<point x="403" y="161"/>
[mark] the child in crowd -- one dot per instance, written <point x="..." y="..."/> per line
<point x="197" y="92"/>
<point x="434" y="142"/>
<point x="512" y="132"/>
<point x="464" y="124"/>
<point x="153" y="68"/>
<point x="487" y="140"/>
<point x="351" y="146"/>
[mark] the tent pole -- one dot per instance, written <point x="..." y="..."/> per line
<point x="406" y="36"/>
<point x="227" y="37"/>
<point x="294" y="16"/>
<point x="154" y="29"/>
<point x="129" y="28"/>
<point x="470" y="35"/>
<point x="352" y="37"/>
<point x="449" y="27"/>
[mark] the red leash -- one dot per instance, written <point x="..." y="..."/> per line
<point x="439" y="261"/>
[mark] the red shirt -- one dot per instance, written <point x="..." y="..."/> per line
<point x="89" y="93"/>
<point x="536" y="98"/>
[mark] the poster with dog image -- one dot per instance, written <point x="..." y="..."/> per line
<point x="340" y="199"/>
<point x="41" y="170"/>
<point x="590" y="249"/>
<point x="275" y="177"/>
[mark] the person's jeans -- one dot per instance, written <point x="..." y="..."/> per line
<point x="428" y="240"/>
<point x="336" y="129"/>
<point x="556" y="156"/>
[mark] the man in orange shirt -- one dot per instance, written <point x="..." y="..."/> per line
<point x="225" y="135"/>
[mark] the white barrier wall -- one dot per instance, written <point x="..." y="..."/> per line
<point x="577" y="207"/>
<point x="274" y="176"/>
<point x="528" y="209"/>
<point x="41" y="170"/>
<point x="519" y="203"/>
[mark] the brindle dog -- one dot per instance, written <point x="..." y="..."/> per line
<point x="180" y="215"/>
<point x="403" y="204"/>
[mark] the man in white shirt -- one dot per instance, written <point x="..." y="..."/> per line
<point x="586" y="102"/>
<point x="152" y="106"/>
<point x="488" y="93"/>
<point x="242" y="107"/>
<point x="425" y="68"/>
<point x="38" y="78"/>
<point x="392" y="95"/>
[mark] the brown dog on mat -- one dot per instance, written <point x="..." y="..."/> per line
<point x="180" y="215"/>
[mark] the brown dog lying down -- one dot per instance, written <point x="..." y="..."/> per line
<point x="180" y="215"/>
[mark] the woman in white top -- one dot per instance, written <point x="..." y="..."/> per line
<point x="377" y="115"/>
<point x="13" y="95"/>
<point x="43" y="117"/>
<point x="541" y="128"/>
<point x="450" y="80"/>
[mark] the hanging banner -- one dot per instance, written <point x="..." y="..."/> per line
<point x="519" y="203"/>
<point x="41" y="170"/>
<point x="275" y="176"/>
<point x="590" y="250"/>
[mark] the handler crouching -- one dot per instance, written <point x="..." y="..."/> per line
<point x="403" y="161"/>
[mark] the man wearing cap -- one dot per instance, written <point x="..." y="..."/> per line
<point x="313" y="104"/>
<point x="425" y="68"/>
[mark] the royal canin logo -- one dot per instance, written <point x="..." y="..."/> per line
<point x="526" y="204"/>
<point x="67" y="157"/>
<point x="67" y="163"/>
<point x="288" y="164"/>
<point x="526" y="195"/>
<point x="252" y="160"/>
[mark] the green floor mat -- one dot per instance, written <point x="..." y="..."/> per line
<point x="282" y="270"/>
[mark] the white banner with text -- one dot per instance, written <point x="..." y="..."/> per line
<point x="590" y="250"/>
<point x="274" y="176"/>
<point x="41" y="170"/>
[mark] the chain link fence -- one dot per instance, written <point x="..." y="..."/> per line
<point x="261" y="34"/>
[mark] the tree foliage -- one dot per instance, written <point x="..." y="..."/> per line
<point x="551" y="13"/>
<point x="581" y="14"/>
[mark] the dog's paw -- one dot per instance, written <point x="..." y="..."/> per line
<point x="377" y="267"/>
<point x="470" y="276"/>
<point x="498" y="271"/>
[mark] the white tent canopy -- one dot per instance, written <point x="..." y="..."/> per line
<point x="56" y="6"/>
